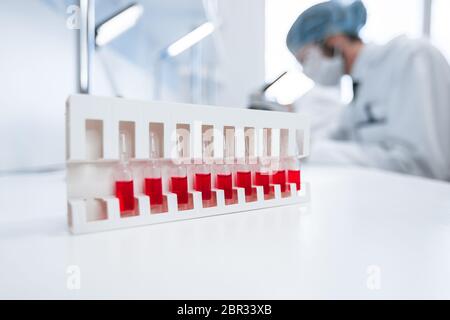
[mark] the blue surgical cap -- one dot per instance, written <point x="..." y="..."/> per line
<point x="326" y="19"/>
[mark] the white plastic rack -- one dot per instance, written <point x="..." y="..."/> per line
<point x="93" y="126"/>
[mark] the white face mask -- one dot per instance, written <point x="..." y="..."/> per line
<point x="322" y="70"/>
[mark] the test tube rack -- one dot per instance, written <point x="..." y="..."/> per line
<point x="93" y="125"/>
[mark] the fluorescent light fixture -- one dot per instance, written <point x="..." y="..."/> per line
<point x="117" y="24"/>
<point x="190" y="39"/>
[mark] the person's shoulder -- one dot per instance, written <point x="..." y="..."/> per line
<point x="410" y="46"/>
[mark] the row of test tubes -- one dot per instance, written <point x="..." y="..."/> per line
<point x="265" y="173"/>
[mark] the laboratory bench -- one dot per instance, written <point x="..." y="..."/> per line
<point x="366" y="234"/>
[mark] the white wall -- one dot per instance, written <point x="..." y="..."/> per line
<point x="36" y="74"/>
<point x="37" y="67"/>
<point x="241" y="64"/>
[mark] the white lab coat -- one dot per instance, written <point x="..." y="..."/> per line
<point x="400" y="118"/>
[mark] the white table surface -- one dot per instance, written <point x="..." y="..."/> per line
<point x="357" y="219"/>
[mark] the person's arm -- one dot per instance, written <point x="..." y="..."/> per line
<point x="334" y="152"/>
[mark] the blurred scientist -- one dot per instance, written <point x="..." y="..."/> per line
<point x="399" y="118"/>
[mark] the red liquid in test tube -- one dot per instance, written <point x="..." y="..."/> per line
<point x="225" y="183"/>
<point x="262" y="179"/>
<point x="294" y="177"/>
<point x="124" y="189"/>
<point x="244" y="180"/>
<point x="125" y="194"/>
<point x="202" y="183"/>
<point x="279" y="177"/>
<point x="152" y="173"/>
<point x="153" y="188"/>
<point x="180" y="188"/>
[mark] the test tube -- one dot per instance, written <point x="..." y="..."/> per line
<point x="294" y="177"/>
<point x="178" y="178"/>
<point x="262" y="175"/>
<point x="224" y="177"/>
<point x="202" y="180"/>
<point x="179" y="184"/>
<point x="152" y="173"/>
<point x="225" y="181"/>
<point x="124" y="188"/>
<point x="279" y="177"/>
<point x="294" y="172"/>
<point x="243" y="173"/>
